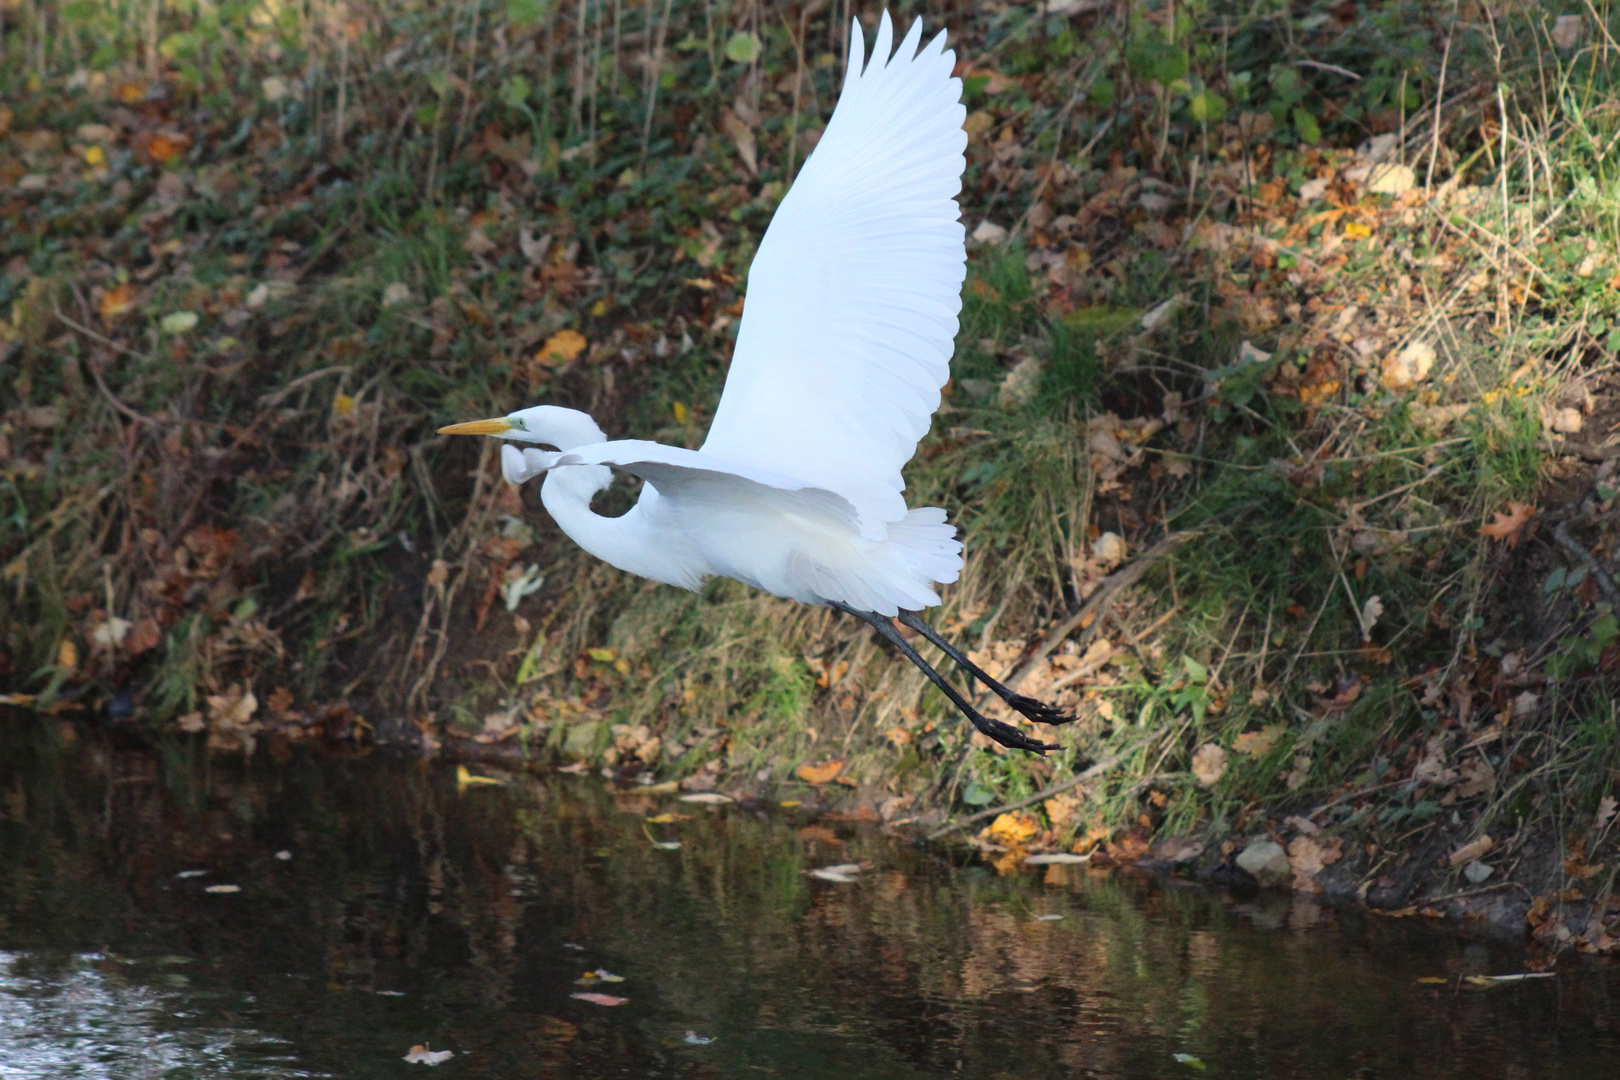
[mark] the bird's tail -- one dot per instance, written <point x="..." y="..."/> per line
<point x="925" y="547"/>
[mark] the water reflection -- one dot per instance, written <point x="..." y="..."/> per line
<point x="379" y="906"/>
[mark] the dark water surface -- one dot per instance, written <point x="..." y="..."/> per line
<point x="381" y="906"/>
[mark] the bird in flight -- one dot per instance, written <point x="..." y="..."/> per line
<point x="844" y="344"/>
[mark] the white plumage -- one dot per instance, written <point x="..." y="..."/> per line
<point x="845" y="342"/>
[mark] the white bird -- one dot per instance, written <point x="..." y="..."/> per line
<point x="845" y="342"/>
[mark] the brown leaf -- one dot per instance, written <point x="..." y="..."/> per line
<point x="143" y="636"/>
<point x="742" y="137"/>
<point x="1509" y="525"/>
<point x="1309" y="856"/>
<point x="819" y="774"/>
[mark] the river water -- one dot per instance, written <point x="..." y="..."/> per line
<point x="165" y="915"/>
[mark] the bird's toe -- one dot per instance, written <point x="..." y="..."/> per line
<point x="1040" y="711"/>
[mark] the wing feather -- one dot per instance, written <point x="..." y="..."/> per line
<point x="854" y="295"/>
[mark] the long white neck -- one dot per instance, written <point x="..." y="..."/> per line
<point x="628" y="541"/>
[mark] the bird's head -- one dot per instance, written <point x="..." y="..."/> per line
<point x="549" y="425"/>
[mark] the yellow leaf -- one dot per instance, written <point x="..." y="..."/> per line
<point x="561" y="347"/>
<point x="1014" y="829"/>
<point x="67" y="655"/>
<point x="682" y="413"/>
<point x="667" y="818"/>
<point x="1355" y="230"/>
<point x="95" y="156"/>
<point x="465" y="778"/>
<point x="599" y="308"/>
<point x="343" y="405"/>
<point x="789" y="804"/>
<point x="819" y="774"/>
<point x="606" y="656"/>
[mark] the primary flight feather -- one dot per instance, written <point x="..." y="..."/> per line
<point x="845" y="342"/>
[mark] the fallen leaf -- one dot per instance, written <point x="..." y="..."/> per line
<point x="117" y="301"/>
<point x="1471" y="851"/>
<point x="601" y="975"/>
<point x="707" y="798"/>
<point x="1370" y="613"/>
<point x="742" y="137"/>
<point x="819" y="774"/>
<point x="1061" y="858"/>
<point x="1509" y="525"/>
<point x="179" y="322"/>
<point x="67" y="655"/>
<point x="1605" y="813"/>
<point x="343" y="405"/>
<point x="421" y="1055"/>
<point x="1309" y="856"/>
<point x="1566" y="32"/>
<point x="1191" y="1062"/>
<point x="561" y="348"/>
<point x="1013" y="829"/>
<point x="1411" y="365"/>
<point x="223" y="889"/>
<point x="666" y="819"/>
<point x="1209" y="764"/>
<point x="167" y="148"/>
<point x="599" y="999"/>
<point x="1258" y="742"/>
<point x="842" y="873"/>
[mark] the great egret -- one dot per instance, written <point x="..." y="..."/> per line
<point x="845" y="343"/>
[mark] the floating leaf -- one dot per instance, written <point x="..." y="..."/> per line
<point x="421" y="1055"/>
<point x="467" y="779"/>
<point x="599" y="999"/>
<point x="1060" y="858"/>
<point x="218" y="889"/>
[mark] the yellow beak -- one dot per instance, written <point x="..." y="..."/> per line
<point x="498" y="426"/>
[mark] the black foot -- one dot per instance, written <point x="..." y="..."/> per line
<point x="1040" y="711"/>
<point x="1009" y="736"/>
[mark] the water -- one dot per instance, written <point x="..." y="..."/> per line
<point x="408" y="910"/>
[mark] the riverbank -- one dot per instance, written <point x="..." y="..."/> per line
<point x="1278" y="430"/>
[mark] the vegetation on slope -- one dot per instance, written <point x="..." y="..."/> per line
<point x="1278" y="431"/>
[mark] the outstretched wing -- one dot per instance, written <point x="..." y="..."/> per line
<point x="853" y="297"/>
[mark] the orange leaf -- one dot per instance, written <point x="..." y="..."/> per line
<point x="116" y="301"/>
<point x="1509" y="526"/>
<point x="820" y="774"/>
<point x="166" y="148"/>
<point x="561" y="347"/>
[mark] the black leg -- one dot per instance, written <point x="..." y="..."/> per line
<point x="1038" y="711"/>
<point x="1005" y="734"/>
